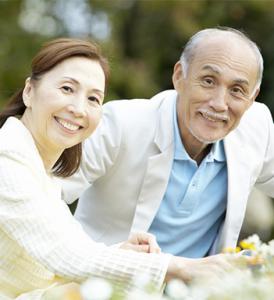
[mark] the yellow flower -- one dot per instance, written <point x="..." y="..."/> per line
<point x="255" y="260"/>
<point x="231" y="250"/>
<point x="248" y="246"/>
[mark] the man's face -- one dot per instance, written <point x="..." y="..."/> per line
<point x="218" y="88"/>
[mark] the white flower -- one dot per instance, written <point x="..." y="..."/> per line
<point x="271" y="248"/>
<point x="254" y="239"/>
<point x="142" y="281"/>
<point x="96" y="289"/>
<point x="142" y="295"/>
<point x="143" y="288"/>
<point x="176" y="289"/>
<point x="264" y="250"/>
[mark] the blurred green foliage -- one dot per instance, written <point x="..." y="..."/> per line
<point x="142" y="38"/>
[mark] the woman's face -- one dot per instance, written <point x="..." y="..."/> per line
<point x="64" y="105"/>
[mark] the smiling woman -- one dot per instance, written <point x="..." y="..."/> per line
<point x="64" y="107"/>
<point x="55" y="57"/>
<point x="42" y="127"/>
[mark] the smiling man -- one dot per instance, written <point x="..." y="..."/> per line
<point x="182" y="164"/>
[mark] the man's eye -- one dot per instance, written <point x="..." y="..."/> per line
<point x="67" y="89"/>
<point x="208" y="81"/>
<point x="237" y="90"/>
<point x="94" y="99"/>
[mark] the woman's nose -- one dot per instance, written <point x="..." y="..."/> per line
<point x="78" y="108"/>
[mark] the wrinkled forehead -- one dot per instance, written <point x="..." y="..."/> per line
<point x="232" y="52"/>
<point x="228" y="44"/>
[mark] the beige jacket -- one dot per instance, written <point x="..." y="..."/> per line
<point x="41" y="244"/>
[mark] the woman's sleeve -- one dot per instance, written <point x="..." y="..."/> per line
<point x="35" y="216"/>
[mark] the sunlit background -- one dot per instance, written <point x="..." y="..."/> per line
<point x="142" y="38"/>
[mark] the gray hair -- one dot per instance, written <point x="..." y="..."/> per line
<point x="189" y="50"/>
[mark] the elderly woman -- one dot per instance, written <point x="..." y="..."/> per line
<point x="42" y="127"/>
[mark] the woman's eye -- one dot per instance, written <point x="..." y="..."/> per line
<point x="67" y="89"/>
<point x="94" y="99"/>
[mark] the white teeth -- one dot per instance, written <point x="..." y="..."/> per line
<point x="210" y="119"/>
<point x="214" y="117"/>
<point x="67" y="125"/>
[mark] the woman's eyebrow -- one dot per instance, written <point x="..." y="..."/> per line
<point x="71" y="79"/>
<point x="77" y="82"/>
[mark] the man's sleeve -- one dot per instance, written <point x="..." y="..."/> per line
<point x="99" y="154"/>
<point x="265" y="181"/>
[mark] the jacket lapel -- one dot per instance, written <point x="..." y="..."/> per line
<point x="158" y="167"/>
<point x="238" y="190"/>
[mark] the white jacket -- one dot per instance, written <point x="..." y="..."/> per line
<point x="40" y="242"/>
<point x="128" y="161"/>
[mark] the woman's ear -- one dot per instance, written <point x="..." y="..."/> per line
<point x="27" y="92"/>
<point x="178" y="75"/>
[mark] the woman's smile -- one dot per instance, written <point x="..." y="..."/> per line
<point x="68" y="125"/>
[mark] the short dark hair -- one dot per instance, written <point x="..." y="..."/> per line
<point x="51" y="54"/>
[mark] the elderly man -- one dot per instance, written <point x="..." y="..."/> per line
<point x="182" y="165"/>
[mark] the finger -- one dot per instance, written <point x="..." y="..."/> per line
<point x="154" y="248"/>
<point x="147" y="238"/>
<point x="153" y="245"/>
<point x="137" y="248"/>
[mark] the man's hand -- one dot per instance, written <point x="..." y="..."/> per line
<point x="141" y="242"/>
<point x="188" y="269"/>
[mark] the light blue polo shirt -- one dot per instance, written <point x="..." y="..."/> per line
<point x="194" y="204"/>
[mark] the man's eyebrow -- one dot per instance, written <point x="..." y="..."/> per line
<point x="242" y="81"/>
<point x="215" y="70"/>
<point x="211" y="68"/>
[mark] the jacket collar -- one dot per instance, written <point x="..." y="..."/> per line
<point x="164" y="130"/>
<point x="16" y="134"/>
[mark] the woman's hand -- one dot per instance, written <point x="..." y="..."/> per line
<point x="141" y="242"/>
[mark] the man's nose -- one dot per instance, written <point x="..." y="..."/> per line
<point x="219" y="100"/>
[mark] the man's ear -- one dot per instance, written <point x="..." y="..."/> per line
<point x="27" y="92"/>
<point x="255" y="94"/>
<point x="178" y="75"/>
<point x="253" y="98"/>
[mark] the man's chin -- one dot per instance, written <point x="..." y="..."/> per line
<point x="207" y="139"/>
<point x="204" y="137"/>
